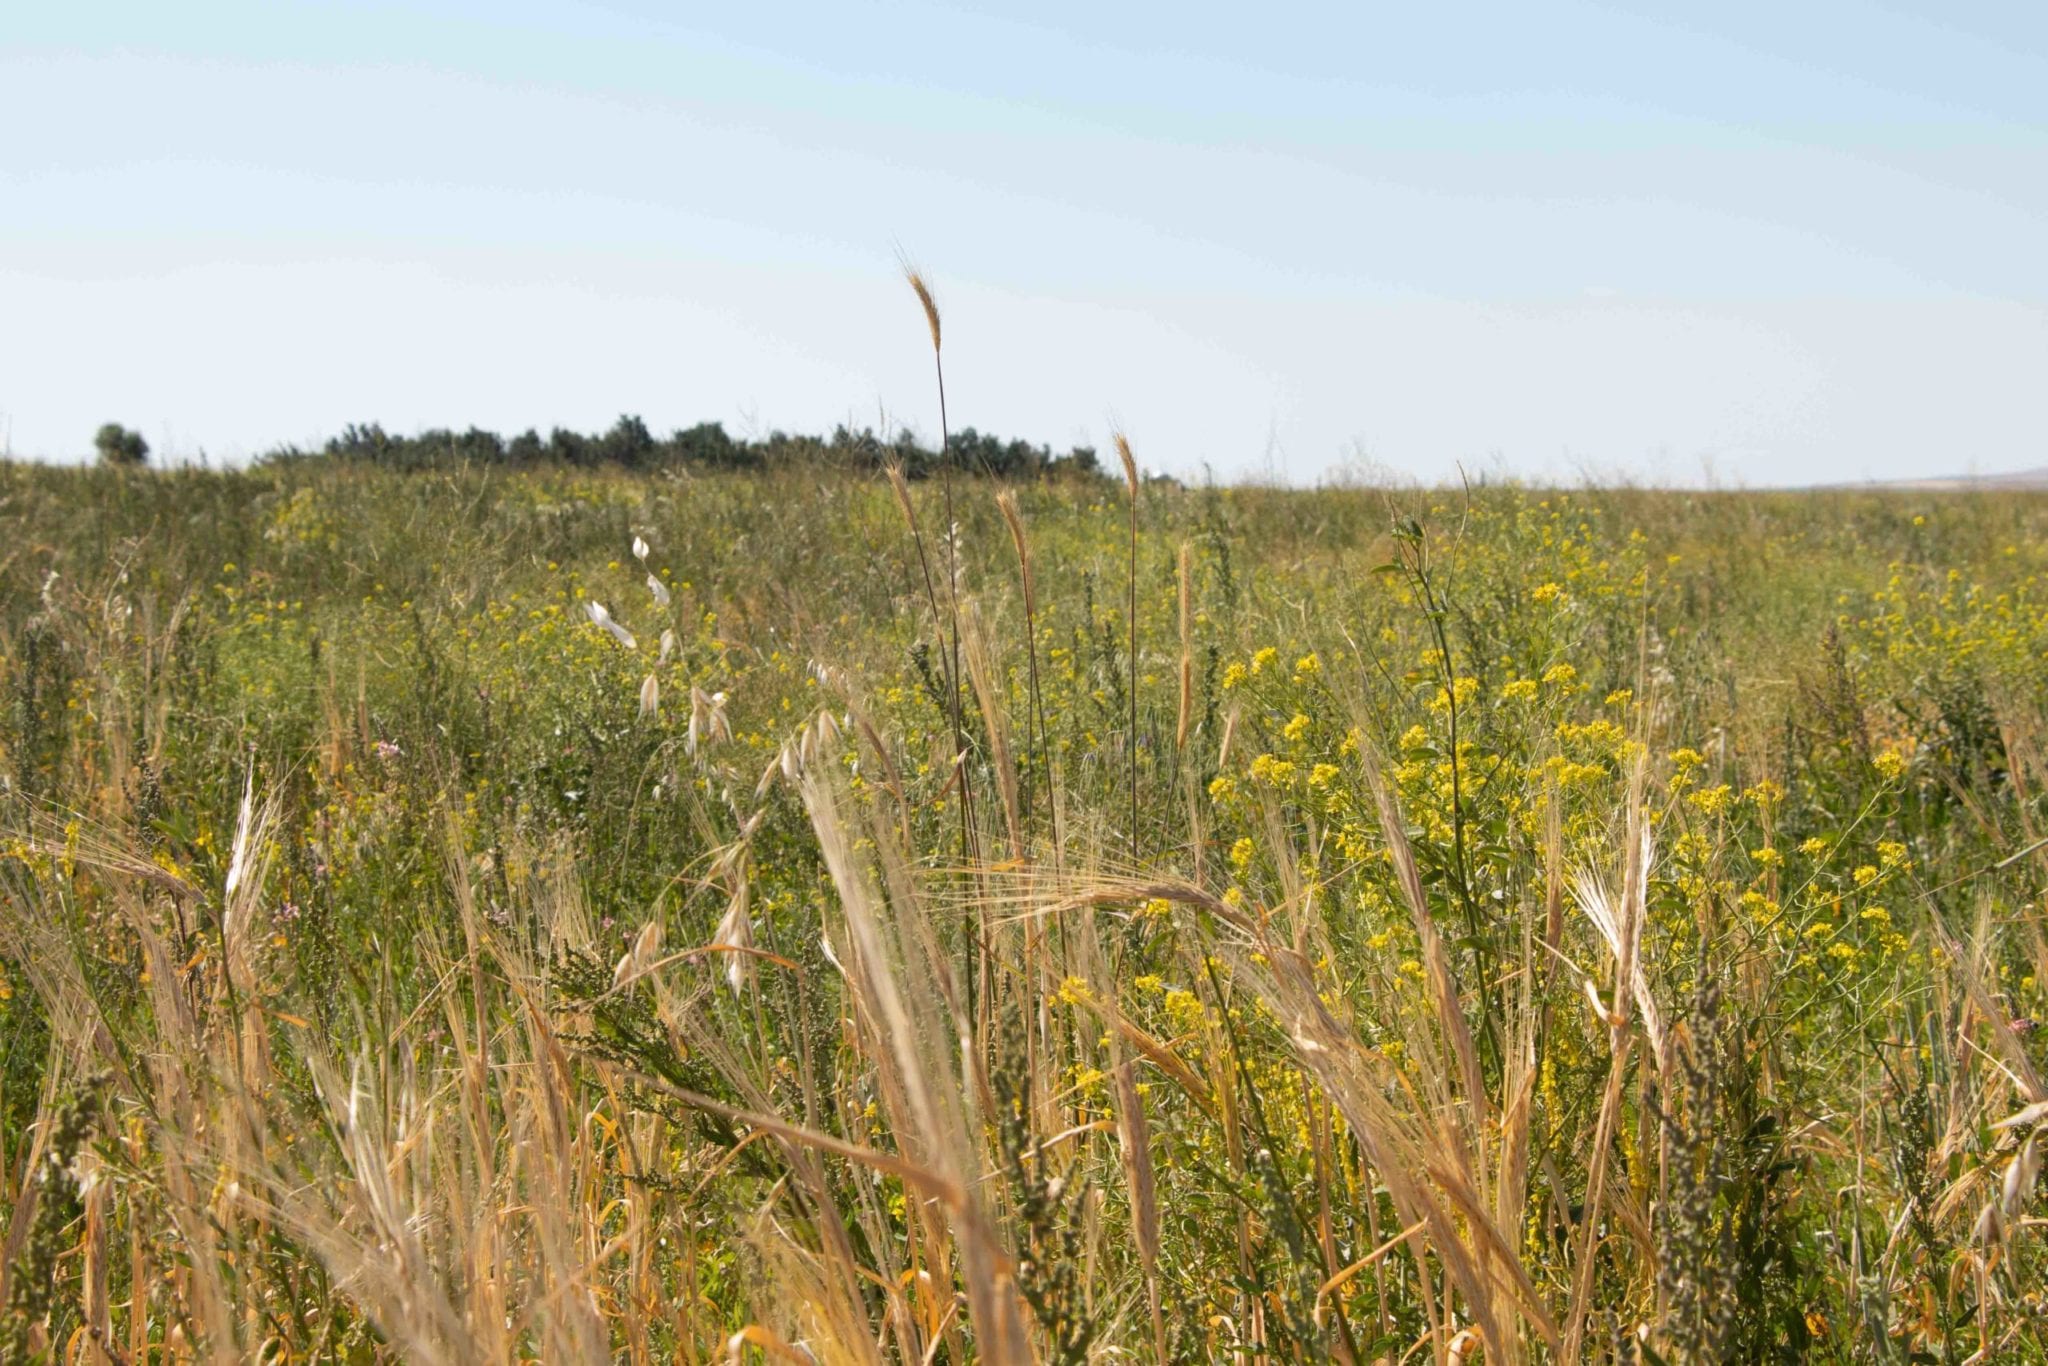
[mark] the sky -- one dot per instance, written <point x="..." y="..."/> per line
<point x="1734" y="244"/>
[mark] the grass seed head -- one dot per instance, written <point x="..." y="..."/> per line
<point x="735" y="931"/>
<point x="924" y="297"/>
<point x="2020" y="1175"/>
<point x="1130" y="462"/>
<point x="602" y="619"/>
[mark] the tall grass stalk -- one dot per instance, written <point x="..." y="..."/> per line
<point x="1130" y="464"/>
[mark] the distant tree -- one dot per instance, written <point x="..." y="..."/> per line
<point x="855" y="450"/>
<point x="707" y="444"/>
<point x="571" y="448"/>
<point x="119" y="446"/>
<point x="477" y="445"/>
<point x="526" y="447"/>
<point x="904" y="450"/>
<point x="628" y="443"/>
<point x="1080" y="462"/>
<point x="363" y="441"/>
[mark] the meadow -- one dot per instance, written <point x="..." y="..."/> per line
<point x="960" y="921"/>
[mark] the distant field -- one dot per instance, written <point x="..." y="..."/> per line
<point x="1507" y="925"/>
<point x="2030" y="480"/>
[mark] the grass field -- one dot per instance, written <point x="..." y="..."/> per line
<point x="1225" y="924"/>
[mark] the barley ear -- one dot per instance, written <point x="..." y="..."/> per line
<point x="924" y="297"/>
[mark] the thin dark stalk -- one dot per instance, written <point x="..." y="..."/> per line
<point x="1006" y="503"/>
<point x="977" y="940"/>
<point x="1123" y="448"/>
<point x="1133" y="653"/>
<point x="902" y="488"/>
<point x="1434" y="611"/>
<point x="952" y="548"/>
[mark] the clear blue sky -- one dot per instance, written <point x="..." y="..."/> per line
<point x="1779" y="243"/>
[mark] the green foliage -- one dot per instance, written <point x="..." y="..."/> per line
<point x="117" y="445"/>
<point x="629" y="445"/>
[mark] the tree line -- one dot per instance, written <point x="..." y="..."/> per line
<point x="629" y="444"/>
